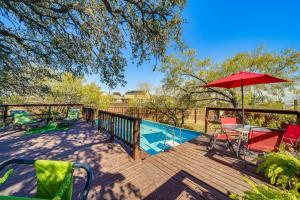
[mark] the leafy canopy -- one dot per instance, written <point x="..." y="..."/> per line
<point x="188" y="73"/>
<point x="71" y="89"/>
<point x="169" y="106"/>
<point x="38" y="37"/>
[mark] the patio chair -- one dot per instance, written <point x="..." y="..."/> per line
<point x="224" y="135"/>
<point x="221" y="138"/>
<point x="260" y="142"/>
<point x="72" y="117"/>
<point x="291" y="137"/>
<point x="54" y="178"/>
<point x="229" y="121"/>
<point x="24" y="121"/>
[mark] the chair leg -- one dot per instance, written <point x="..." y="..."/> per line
<point x="211" y="143"/>
<point x="244" y="160"/>
<point x="230" y="147"/>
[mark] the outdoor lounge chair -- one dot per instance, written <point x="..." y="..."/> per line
<point x="24" y="121"/>
<point x="261" y="141"/>
<point x="72" y="117"/>
<point x="291" y="137"/>
<point x="54" y="178"/>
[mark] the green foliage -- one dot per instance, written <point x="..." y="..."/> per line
<point x="188" y="74"/>
<point x="67" y="90"/>
<point x="39" y="37"/>
<point x="92" y="96"/>
<point x="71" y="89"/>
<point x="170" y="106"/>
<point x="270" y="120"/>
<point x="234" y="196"/>
<point x="282" y="168"/>
<point x="264" y="192"/>
<point x="12" y="99"/>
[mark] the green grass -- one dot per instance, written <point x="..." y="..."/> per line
<point x="45" y="129"/>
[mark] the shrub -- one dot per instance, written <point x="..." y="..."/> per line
<point x="282" y="168"/>
<point x="264" y="192"/>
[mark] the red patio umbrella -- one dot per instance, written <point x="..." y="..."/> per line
<point x="242" y="79"/>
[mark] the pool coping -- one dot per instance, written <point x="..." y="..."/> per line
<point x="173" y="126"/>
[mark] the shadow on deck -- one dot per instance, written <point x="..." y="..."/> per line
<point x="186" y="172"/>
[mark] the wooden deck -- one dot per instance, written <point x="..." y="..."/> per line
<point x="186" y="172"/>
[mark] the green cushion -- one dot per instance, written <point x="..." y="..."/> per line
<point x="45" y="129"/>
<point x="54" y="178"/>
<point x="73" y="114"/>
<point x="18" y="198"/>
<point x="22" y="118"/>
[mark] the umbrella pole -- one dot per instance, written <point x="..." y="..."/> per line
<point x="243" y="112"/>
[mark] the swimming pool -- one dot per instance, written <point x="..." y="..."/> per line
<point x="156" y="137"/>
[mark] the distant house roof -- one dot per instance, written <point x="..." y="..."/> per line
<point x="135" y="92"/>
<point x="117" y="93"/>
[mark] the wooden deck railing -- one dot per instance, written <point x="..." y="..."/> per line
<point x="123" y="128"/>
<point x="248" y="110"/>
<point x="89" y="114"/>
<point x="5" y="109"/>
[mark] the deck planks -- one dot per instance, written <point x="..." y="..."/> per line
<point x="187" y="171"/>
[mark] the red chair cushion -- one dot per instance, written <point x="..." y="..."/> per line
<point x="263" y="141"/>
<point x="291" y="134"/>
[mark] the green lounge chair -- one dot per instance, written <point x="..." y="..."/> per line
<point x="54" y="179"/>
<point x="72" y="117"/>
<point x="23" y="120"/>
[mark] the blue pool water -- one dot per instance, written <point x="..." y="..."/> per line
<point x="155" y="137"/>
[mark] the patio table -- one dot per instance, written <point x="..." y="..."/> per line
<point x="244" y="131"/>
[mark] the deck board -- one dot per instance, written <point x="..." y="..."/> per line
<point x="187" y="171"/>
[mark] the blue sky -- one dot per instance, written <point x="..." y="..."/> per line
<point x="221" y="28"/>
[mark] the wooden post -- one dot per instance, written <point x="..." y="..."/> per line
<point x="49" y="114"/>
<point x="99" y="120"/>
<point x="195" y="115"/>
<point x="298" y="118"/>
<point x="5" y="113"/>
<point x="136" y="139"/>
<point x="295" y="105"/>
<point x="206" y="119"/>
<point x="156" y="115"/>
<point x="82" y="112"/>
<point x="112" y="129"/>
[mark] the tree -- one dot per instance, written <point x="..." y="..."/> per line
<point x="188" y="74"/>
<point x="168" y="106"/>
<point x="92" y="96"/>
<point x="67" y="90"/>
<point x="71" y="89"/>
<point x="38" y="38"/>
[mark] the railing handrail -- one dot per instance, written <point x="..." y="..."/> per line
<point x="42" y="104"/>
<point x="129" y="133"/>
<point x="258" y="110"/>
<point x="253" y="110"/>
<point x="121" y="115"/>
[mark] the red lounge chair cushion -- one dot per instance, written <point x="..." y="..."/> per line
<point x="263" y="141"/>
<point x="291" y="134"/>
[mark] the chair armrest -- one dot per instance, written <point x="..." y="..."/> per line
<point x="7" y="174"/>
<point x="89" y="180"/>
<point x="15" y="161"/>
